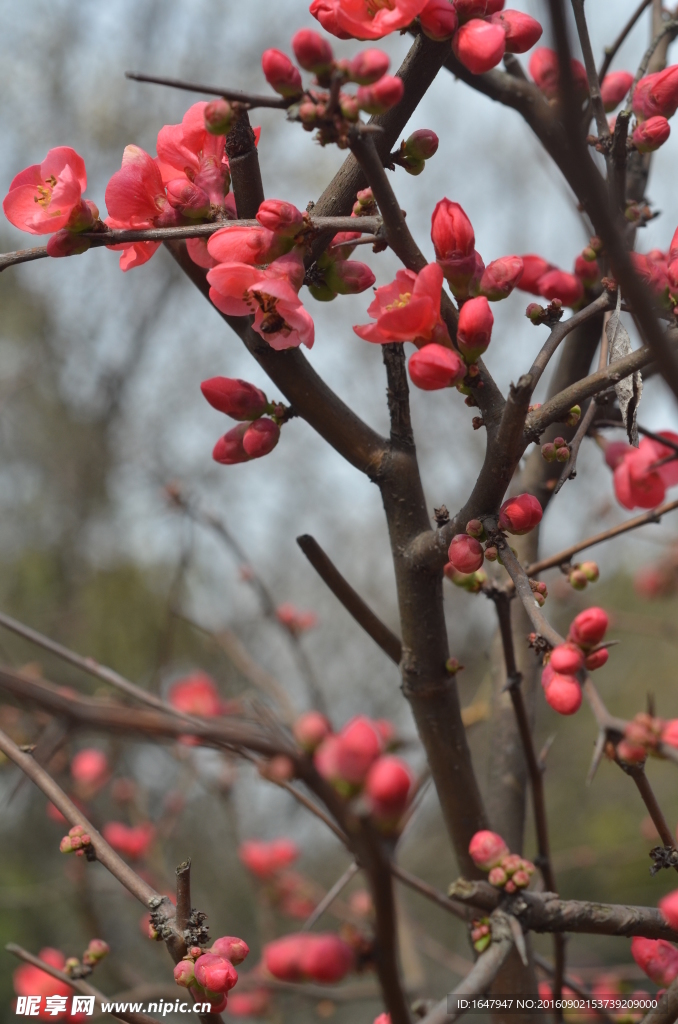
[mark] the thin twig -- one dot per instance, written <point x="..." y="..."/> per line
<point x="250" y="100"/>
<point x="590" y="65"/>
<point x="330" y="896"/>
<point x="611" y="51"/>
<point x="183" y="913"/>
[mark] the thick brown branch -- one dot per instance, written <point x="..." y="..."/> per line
<point x="243" y="161"/>
<point x="350" y="599"/>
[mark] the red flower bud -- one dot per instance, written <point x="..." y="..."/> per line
<point x="218" y="117"/>
<point x="587" y="270"/>
<point x="657" y="957"/>
<point x="657" y="94"/>
<point x="487" y="849"/>
<point x="597" y="659"/>
<point x="474" y="330"/>
<point x="422" y="144"/>
<point x="358" y="747"/>
<point x="567" y="659"/>
<point x="589" y="627"/>
<point x="387" y="786"/>
<point x="349" y="277"/>
<point x="260" y="438"/>
<point x="669" y="908"/>
<point x="265" y="860"/>
<point x="670" y="733"/>
<point x="651" y="134"/>
<point x="564" y="694"/>
<point x="557" y="284"/>
<point x="521" y="31"/>
<point x="543" y="67"/>
<point x="521" y="514"/>
<point x="310" y="729"/>
<point x="467" y="9"/>
<point x="215" y="973"/>
<point x="326" y="959"/>
<point x="368" y="66"/>
<point x="479" y="45"/>
<point x="66" y="243"/>
<point x="231" y="947"/>
<point x="313" y="53"/>
<point x="534" y="267"/>
<point x="465" y="553"/>
<point x="187" y="198"/>
<point x="614" y="88"/>
<point x="451" y="231"/>
<point x="380" y="97"/>
<point x="279" y="216"/>
<point x="434" y="366"/>
<point x="501" y="277"/>
<point x="235" y="398"/>
<point x="229" y="449"/>
<point x="184" y="974"/>
<point x="439" y="20"/>
<point x="281" y="74"/>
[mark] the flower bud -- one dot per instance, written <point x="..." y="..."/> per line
<point x="573" y="417"/>
<point x="451" y="232"/>
<point x="368" y="66"/>
<point x="359" y="744"/>
<point x="497" y="877"/>
<point x="281" y="74"/>
<point x="543" y="67"/>
<point x="96" y="950"/>
<point x="591" y="571"/>
<point x="467" y="9"/>
<point x="614" y="88"/>
<point x="657" y="94"/>
<point x="474" y="330"/>
<point x="562" y="454"/>
<point x="326" y="959"/>
<point x="487" y="849"/>
<point x="184" y="974"/>
<point x="260" y="438"/>
<point x="387" y="787"/>
<point x="218" y="117"/>
<point x="422" y="144"/>
<point x="348" y="277"/>
<point x="521" y="514"/>
<point x="479" y="45"/>
<point x="567" y="659"/>
<point x="380" y="97"/>
<point x="452" y="666"/>
<point x="651" y="134"/>
<point x="313" y="53"/>
<point x="548" y="452"/>
<point x="501" y="277"/>
<point x="587" y="270"/>
<point x="669" y="908"/>
<point x="365" y="204"/>
<point x="465" y="553"/>
<point x="439" y="20"/>
<point x="577" y="580"/>
<point x="435" y="366"/>
<point x="310" y="729"/>
<point x="564" y="694"/>
<point x="229" y="449"/>
<point x="279" y="216"/>
<point x="234" y="397"/>
<point x="597" y="659"/>
<point x="521" y="878"/>
<point x="521" y="31"/>
<point x="557" y="284"/>
<point x="187" y="198"/>
<point x="234" y="949"/>
<point x="215" y="973"/>
<point x="534" y="268"/>
<point x="474" y="528"/>
<point x="66" y="243"/>
<point x="657" y="957"/>
<point x="589" y="627"/>
<point x="491" y="553"/>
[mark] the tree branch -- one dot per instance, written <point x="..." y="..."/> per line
<point x="590" y="65"/>
<point x="250" y="100"/>
<point x="611" y="51"/>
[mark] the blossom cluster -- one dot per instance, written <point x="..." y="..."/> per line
<point x="642" y="475"/>
<point x="507" y="871"/>
<point x="210" y="975"/>
<point x="565" y="662"/>
<point x="518" y="516"/>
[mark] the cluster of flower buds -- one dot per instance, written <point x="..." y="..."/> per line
<point x="96" y="950"/>
<point x="322" y="957"/>
<point x="481" y="933"/>
<point x="657" y="957"/>
<point x="256" y="435"/>
<point x="542" y="278"/>
<point x="548" y="315"/>
<point x="454" y="243"/>
<point x="76" y="841"/>
<point x="507" y="871"/>
<point x="327" y="106"/>
<point x="466" y="555"/>
<point x="294" y="619"/>
<point x="133" y="841"/>
<point x="642" y="736"/>
<point x="211" y="974"/>
<point x="642" y="475"/>
<point x="415" y="150"/>
<point x="540" y="591"/>
<point x="580" y="652"/>
<point x="480" y="30"/>
<point x="581" y="574"/>
<point x="655" y="100"/>
<point x="557" y="450"/>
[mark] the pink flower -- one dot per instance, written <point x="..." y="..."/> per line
<point x="651" y="134"/>
<point x="196" y="694"/>
<point x="614" y="88"/>
<point x="521" y="31"/>
<point x="43" y="197"/>
<point x="465" y="553"/>
<point x="657" y="94"/>
<point x="563" y="693"/>
<point x="657" y="957"/>
<point x="408" y="309"/>
<point x="500" y="277"/>
<point x="638" y="481"/>
<point x="434" y="366"/>
<point x="215" y="973"/>
<point x="135" y="198"/>
<point x="236" y="398"/>
<point x="189" y="151"/>
<point x="487" y="849"/>
<point x="521" y="514"/>
<point x="439" y="20"/>
<point x="133" y="842"/>
<point x="256" y="246"/>
<point x="365" y="19"/>
<point x="271" y="295"/>
<point x="90" y="767"/>
<point x="543" y="67"/>
<point x="589" y="627"/>
<point x="669" y="908"/>
<point x="326" y="959"/>
<point x="267" y="859"/>
<point x="281" y="74"/>
<point x="479" y="45"/>
<point x="387" y="786"/>
<point x="474" y="330"/>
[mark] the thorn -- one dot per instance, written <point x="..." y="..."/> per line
<point x="598" y="752"/>
<point x="544" y="753"/>
<point x="518" y="938"/>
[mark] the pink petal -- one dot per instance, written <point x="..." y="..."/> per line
<point x="61" y="157"/>
<point x="371" y="332"/>
<point x="415" y="319"/>
<point x="29" y="176"/>
<point x="430" y="283"/>
<point x="137" y="254"/>
<point x="197" y="250"/>
<point x="135" y="195"/>
<point x="228" y="304"/>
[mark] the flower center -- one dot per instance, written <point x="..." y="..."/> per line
<point x="401" y="301"/>
<point x="44" y="196"/>
<point x="374" y="6"/>
<point x="272" y="322"/>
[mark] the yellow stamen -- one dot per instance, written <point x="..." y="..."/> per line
<point x="401" y="301"/>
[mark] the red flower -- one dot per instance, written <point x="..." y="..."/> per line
<point x="479" y="45"/>
<point x="189" y="151"/>
<point x="614" y="88"/>
<point x="638" y="481"/>
<point x="521" y="514"/>
<point x="31" y="981"/>
<point x="197" y="694"/>
<point x="135" y="198"/>
<point x="669" y="908"/>
<point x="657" y="957"/>
<point x="408" y="309"/>
<point x="543" y="67"/>
<point x="465" y="553"/>
<point x="267" y="859"/>
<point x="368" y="66"/>
<point x="467" y="9"/>
<point x="521" y="31"/>
<point x="657" y="94"/>
<point x="43" y="197"/>
<point x="133" y="842"/>
<point x="215" y="973"/>
<point x="651" y="134"/>
<point x="454" y="243"/>
<point x="434" y="366"/>
<point x="365" y="19"/>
